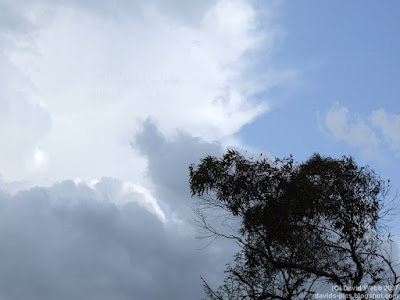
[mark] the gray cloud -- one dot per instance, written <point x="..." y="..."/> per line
<point x="168" y="164"/>
<point x="75" y="241"/>
<point x="70" y="242"/>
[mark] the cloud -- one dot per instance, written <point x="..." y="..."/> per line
<point x="168" y="164"/>
<point x="71" y="241"/>
<point x="92" y="71"/>
<point x="23" y="122"/>
<point x="370" y="134"/>
<point x="77" y="80"/>
<point x="389" y="125"/>
<point x="107" y="239"/>
<point x="351" y="130"/>
<point x="111" y="239"/>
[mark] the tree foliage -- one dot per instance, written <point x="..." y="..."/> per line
<point x="298" y="225"/>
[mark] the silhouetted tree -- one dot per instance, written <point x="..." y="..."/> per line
<point x="298" y="225"/>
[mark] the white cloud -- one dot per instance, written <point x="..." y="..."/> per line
<point x="94" y="70"/>
<point x="389" y="124"/>
<point x="23" y="121"/>
<point x="351" y="130"/>
<point x="371" y="134"/>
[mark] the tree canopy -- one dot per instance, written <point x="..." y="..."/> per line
<point x="299" y="225"/>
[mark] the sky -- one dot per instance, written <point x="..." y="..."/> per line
<point x="105" y="104"/>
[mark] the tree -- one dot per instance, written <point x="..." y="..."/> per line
<point x="298" y="226"/>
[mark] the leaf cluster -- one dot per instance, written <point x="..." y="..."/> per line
<point x="299" y="223"/>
